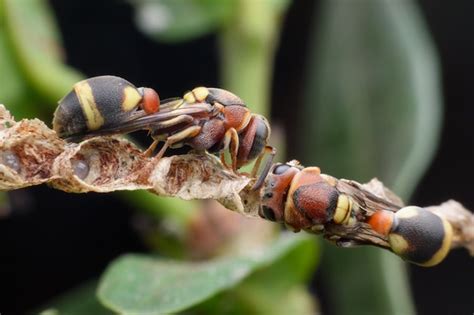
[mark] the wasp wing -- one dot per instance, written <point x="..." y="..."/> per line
<point x="172" y="103"/>
<point x="142" y="121"/>
<point x="368" y="201"/>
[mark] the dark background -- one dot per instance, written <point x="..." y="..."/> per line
<point x="46" y="250"/>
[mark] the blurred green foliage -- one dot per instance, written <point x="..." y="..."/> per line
<point x="156" y="286"/>
<point x="79" y="301"/>
<point x="32" y="57"/>
<point x="30" y="24"/>
<point x="275" y="289"/>
<point x="372" y="108"/>
<point x="159" y="18"/>
<point x="144" y="285"/>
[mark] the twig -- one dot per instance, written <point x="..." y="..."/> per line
<point x="32" y="154"/>
<point x="462" y="221"/>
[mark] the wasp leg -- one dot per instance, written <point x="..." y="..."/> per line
<point x="189" y="132"/>
<point x="268" y="150"/>
<point x="148" y="152"/>
<point x="182" y="119"/>
<point x="231" y="142"/>
<point x="223" y="161"/>
<point x="261" y="179"/>
<point x="171" y="103"/>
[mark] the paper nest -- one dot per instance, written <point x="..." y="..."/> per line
<point x="32" y="154"/>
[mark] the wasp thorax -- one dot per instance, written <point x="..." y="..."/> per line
<point x="312" y="200"/>
<point x="197" y="95"/>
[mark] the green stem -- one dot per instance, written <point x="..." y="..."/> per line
<point x="248" y="45"/>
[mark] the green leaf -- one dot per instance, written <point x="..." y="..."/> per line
<point x="295" y="267"/>
<point x="79" y="301"/>
<point x="275" y="289"/>
<point x="247" y="46"/>
<point x="372" y="109"/>
<point x="260" y="299"/>
<point x="12" y="85"/>
<point x="138" y="284"/>
<point x="181" y="20"/>
<point x="34" y="38"/>
<point x="295" y="300"/>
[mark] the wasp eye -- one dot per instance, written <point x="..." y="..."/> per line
<point x="260" y="140"/>
<point x="268" y="213"/>
<point x="280" y="169"/>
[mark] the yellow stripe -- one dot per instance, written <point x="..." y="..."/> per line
<point x="93" y="117"/>
<point x="131" y="98"/>
<point x="189" y="98"/>
<point x="200" y="93"/>
<point x="398" y="244"/>
<point x="408" y="212"/>
<point x="343" y="209"/>
<point x="445" y="246"/>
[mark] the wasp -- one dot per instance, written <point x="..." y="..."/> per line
<point x="229" y="126"/>
<point x="210" y="119"/>
<point x="305" y="199"/>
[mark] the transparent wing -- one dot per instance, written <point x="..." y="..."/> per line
<point x="141" y="121"/>
<point x="366" y="200"/>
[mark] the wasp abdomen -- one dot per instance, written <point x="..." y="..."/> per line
<point x="69" y="117"/>
<point x="420" y="236"/>
<point x="415" y="234"/>
<point x="95" y="103"/>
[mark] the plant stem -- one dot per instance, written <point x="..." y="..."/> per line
<point x="247" y="46"/>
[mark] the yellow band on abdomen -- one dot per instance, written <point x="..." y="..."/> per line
<point x="131" y="98"/>
<point x="94" y="119"/>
